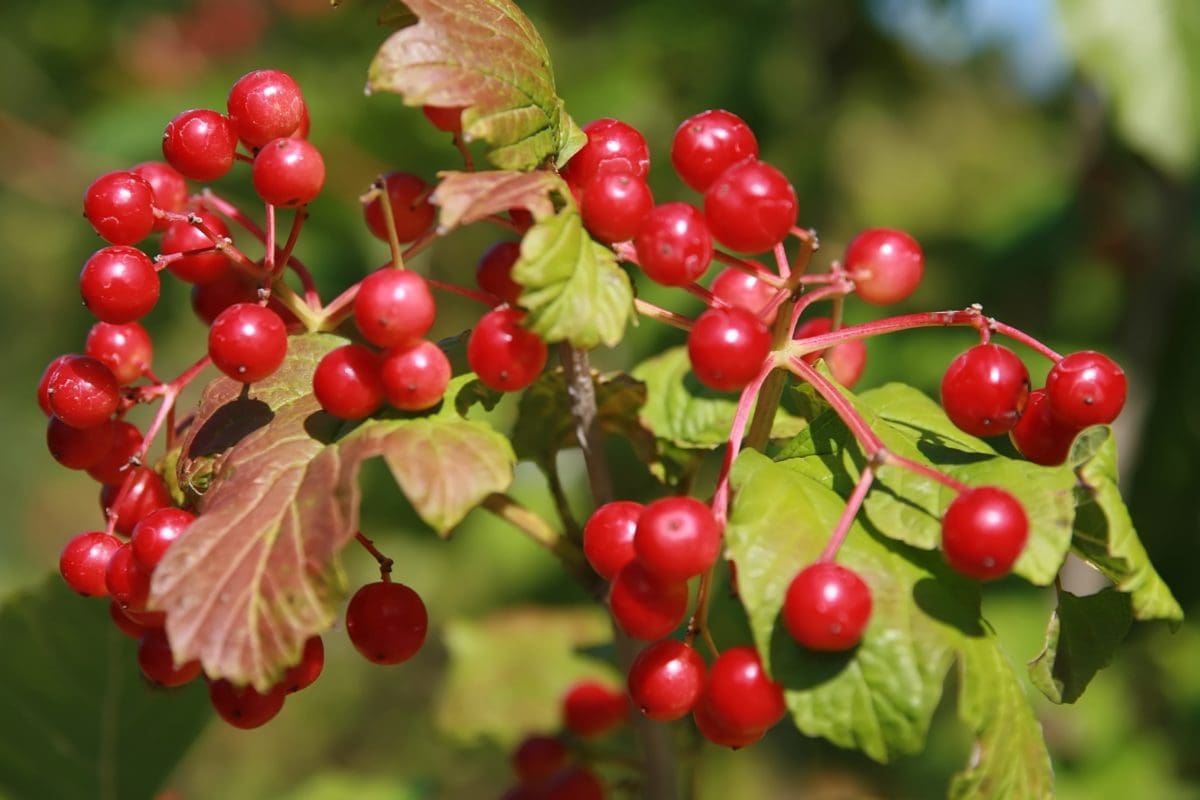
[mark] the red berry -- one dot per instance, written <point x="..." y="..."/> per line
<point x="125" y="624"/>
<point x="200" y="144"/>
<point x="983" y="532"/>
<point x="125" y="441"/>
<point x="78" y="448"/>
<point x="742" y="290"/>
<point x="677" y="538"/>
<point x="247" y="342"/>
<point x="265" y="104"/>
<point x="119" y="284"/>
<point x="984" y="390"/>
<point x="708" y="143"/>
<point x="348" y="383"/>
<point x="613" y="206"/>
<point x="573" y="783"/>
<point x="210" y="299"/>
<point x="127" y="583"/>
<point x="505" y="356"/>
<point x="885" y="264"/>
<point x="288" y="172"/>
<point x="740" y="695"/>
<point x="646" y="606"/>
<point x="158" y="664"/>
<point x="386" y="622"/>
<point x="751" y="207"/>
<point x="1086" y="388"/>
<point x="846" y="361"/>
<point x="827" y="607"/>
<point x="1038" y="434"/>
<point x="613" y="147"/>
<point x="728" y="347"/>
<point x="394" y="307"/>
<point x="444" y="118"/>
<point x="493" y="273"/>
<point x="84" y="562"/>
<point x="125" y="349"/>
<point x="665" y="680"/>
<point x="120" y="206"/>
<point x="717" y="731"/>
<point x="674" y="246"/>
<point x="412" y="212"/>
<point x="168" y="185"/>
<point x="592" y="708"/>
<point x="43" y="390"/>
<point x="82" y="392"/>
<point x="182" y="236"/>
<point x="608" y="536"/>
<point x="157" y="531"/>
<point x="537" y="758"/>
<point x="415" y="376"/>
<point x="147" y="493"/>
<point x="305" y="673"/>
<point x="243" y="706"/>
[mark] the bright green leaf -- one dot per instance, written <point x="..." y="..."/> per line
<point x="1081" y="638"/>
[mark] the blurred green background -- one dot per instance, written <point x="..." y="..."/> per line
<point x="1045" y="155"/>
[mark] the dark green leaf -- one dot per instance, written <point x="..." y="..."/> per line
<point x="1081" y="638"/>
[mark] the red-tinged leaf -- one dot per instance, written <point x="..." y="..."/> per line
<point x="484" y="56"/>
<point x="466" y="197"/>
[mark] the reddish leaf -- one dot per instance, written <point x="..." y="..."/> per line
<point x="466" y="197"/>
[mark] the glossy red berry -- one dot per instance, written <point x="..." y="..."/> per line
<point x="827" y="607"/>
<point x="247" y="342"/>
<point x="646" y="606"/>
<point x="200" y="144"/>
<point x="728" y="347"/>
<point x="386" y="622"/>
<point x="591" y="708"/>
<point x="244" y="706"/>
<point x="308" y="669"/>
<point x="78" y="448"/>
<point x="119" y="284"/>
<point x="168" y="185"/>
<point x="613" y="147"/>
<point x="1086" y="388"/>
<point x="608" y="536"/>
<point x="265" y="104"/>
<point x="751" y="207"/>
<point x="677" y="538"/>
<point x="158" y="664"/>
<point x="984" y="532"/>
<point x="156" y="532"/>
<point x="415" y="376"/>
<point x="125" y="349"/>
<point x="885" y="264"/>
<point x="124" y="443"/>
<point x="444" y="118"/>
<point x="348" y="383"/>
<point x="846" y="361"/>
<point x="288" y="172"/>
<point x="572" y="783"/>
<point x="984" y="390"/>
<point x="717" y="731"/>
<point x="1039" y="435"/>
<point x="493" y="273"/>
<point x="537" y="758"/>
<point x="210" y="299"/>
<point x="43" y="390"/>
<point x="127" y="583"/>
<point x="120" y="206"/>
<point x="739" y="693"/>
<point x="83" y="562"/>
<point x="505" y="356"/>
<point x="674" y="246"/>
<point x="413" y="213"/>
<point x="394" y="307"/>
<point x="743" y="290"/>
<point x="146" y="494"/>
<point x="708" y="143"/>
<point x="613" y="206"/>
<point x="82" y="392"/>
<point x="124" y="623"/>
<point x="665" y="680"/>
<point x="182" y="237"/>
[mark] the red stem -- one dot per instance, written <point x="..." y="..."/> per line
<point x="453" y="288"/>
<point x="385" y="563"/>
<point x="853" y="504"/>
<point x="749" y="266"/>
<point x="720" y="501"/>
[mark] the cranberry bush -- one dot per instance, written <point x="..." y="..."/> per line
<point x="853" y="529"/>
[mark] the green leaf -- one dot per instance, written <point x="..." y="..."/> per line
<point x="484" y="56"/>
<point x="880" y="697"/>
<point x="466" y="197"/>
<point x="1081" y="638"/>
<point x="1104" y="534"/>
<point x="509" y="671"/>
<point x="80" y="720"/>
<point x="573" y="288"/>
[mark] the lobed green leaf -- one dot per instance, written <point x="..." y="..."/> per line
<point x="1081" y="638"/>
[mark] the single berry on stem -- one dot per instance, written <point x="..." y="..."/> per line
<point x="125" y="442"/>
<point x="210" y="299"/>
<point x="415" y="376"/>
<point x="413" y="214"/>
<point x="120" y="206"/>
<point x="608" y="536"/>
<point x="493" y="273"/>
<point x="83" y="562"/>
<point x="169" y="186"/>
<point x="537" y="758"/>
<point x="677" y="538"/>
<point x="386" y="622"/>
<point x="572" y="783"/>
<point x="674" y="246"/>
<point x="200" y="143"/>
<point x="727" y="348"/>
<point x="827" y="607"/>
<point x="505" y="356"/>
<point x="43" y="390"/>
<point x="984" y="532"/>
<point x="127" y="583"/>
<point x="1086" y="388"/>
<point x="119" y="284"/>
<point x="613" y="206"/>
<point x="348" y="383"/>
<point x="743" y="290"/>
<point x="304" y="673"/>
<point x="665" y="680"/>
<point x="739" y="693"/>
<point x="751" y="207"/>
<point x="985" y="389"/>
<point x="182" y="236"/>
<point x="394" y="307"/>
<point x="1039" y="435"/>
<point x="444" y="118"/>
<point x="156" y="532"/>
<point x="158" y="664"/>
<point x="846" y="361"/>
<point x="147" y="492"/>
<point x="592" y="708"/>
<point x="288" y="172"/>
<point x="885" y="264"/>
<point x="613" y="147"/>
<point x="244" y="706"/>
<point x="717" y="731"/>
<point x="708" y="143"/>
<point x="125" y="349"/>
<point x="79" y="448"/>
<point x="82" y="392"/>
<point x="265" y="104"/>
<point x="646" y="606"/>
<point x="247" y="342"/>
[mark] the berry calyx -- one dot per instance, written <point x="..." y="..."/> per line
<point x="885" y="264"/>
<point x="984" y="532"/>
<point x="1086" y="388"/>
<point x="84" y="560"/>
<point x="613" y="206"/>
<point x="827" y="607"/>
<point x="288" y="172"/>
<point x="82" y="392"/>
<point x="182" y="236"/>
<point x="415" y="376"/>
<point x="665" y="680"/>
<point x="247" y="342"/>
<point x="1039" y="435"/>
<point x="493" y="273"/>
<point x="244" y="706"/>
<point x="200" y="143"/>
<point x="119" y="284"/>
<point x="386" y="622"/>
<point x="644" y="605"/>
<point x="591" y="708"/>
<point x="727" y="348"/>
<point x="613" y="147"/>
<point x="674" y="246"/>
<point x="751" y="206"/>
<point x="708" y="143"/>
<point x="608" y="536"/>
<point x="156" y="532"/>
<point x="984" y="390"/>
<point x="505" y="356"/>
<point x="120" y="206"/>
<point x="412" y="212"/>
<point x="394" y="307"/>
<point x="158" y="664"/>
<point x="740" y="695"/>
<point x="677" y="538"/>
<point x="265" y="104"/>
<point x="125" y="349"/>
<point x="348" y="383"/>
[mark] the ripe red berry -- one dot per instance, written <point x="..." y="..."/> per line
<point x="613" y="147"/>
<point x="646" y="606"/>
<point x="728" y="347"/>
<point x="493" y="273"/>
<point x="665" y="680"/>
<point x="43" y="390"/>
<point x="200" y="144"/>
<point x="78" y="448"/>
<point x="119" y="284"/>
<point x="751" y="207"/>
<point x="827" y="607"/>
<point x="613" y="206"/>
<point x="146" y="494"/>
<point x="120" y="206"/>
<point x="717" y="731"/>
<point x="210" y="299"/>
<point x="677" y="538"/>
<point x="591" y="708"/>
<point x="572" y="783"/>
<point x="244" y="706"/>
<point x="983" y="532"/>
<point x="82" y="392"/>
<point x="1039" y="435"/>
<point x="83" y="562"/>
<point x="444" y="118"/>
<point x="125" y="624"/>
<point x="537" y="758"/>
<point x="125" y="349"/>
<point x="743" y="290"/>
<point x="127" y="583"/>
<point x="386" y="622"/>
<point x="505" y="356"/>
<point x="394" y="307"/>
<point x="125" y="441"/>
<point x="708" y="143"/>
<point x="182" y="237"/>
<point x="288" y="172"/>
<point x="674" y="246"/>
<point x="304" y="673"/>
<point x="156" y="532"/>
<point x="413" y="213"/>
<point x="1086" y="388"/>
<point x="984" y="390"/>
<point x="415" y="376"/>
<point x="247" y="342"/>
<point x="168" y="185"/>
<point x="608" y="536"/>
<point x="158" y="664"/>
<point x="740" y="695"/>
<point x="263" y="105"/>
<point x="886" y="265"/>
<point x="846" y="361"/>
<point x="348" y="382"/>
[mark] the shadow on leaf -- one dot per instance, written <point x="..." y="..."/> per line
<point x="228" y="425"/>
<point x="799" y="669"/>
